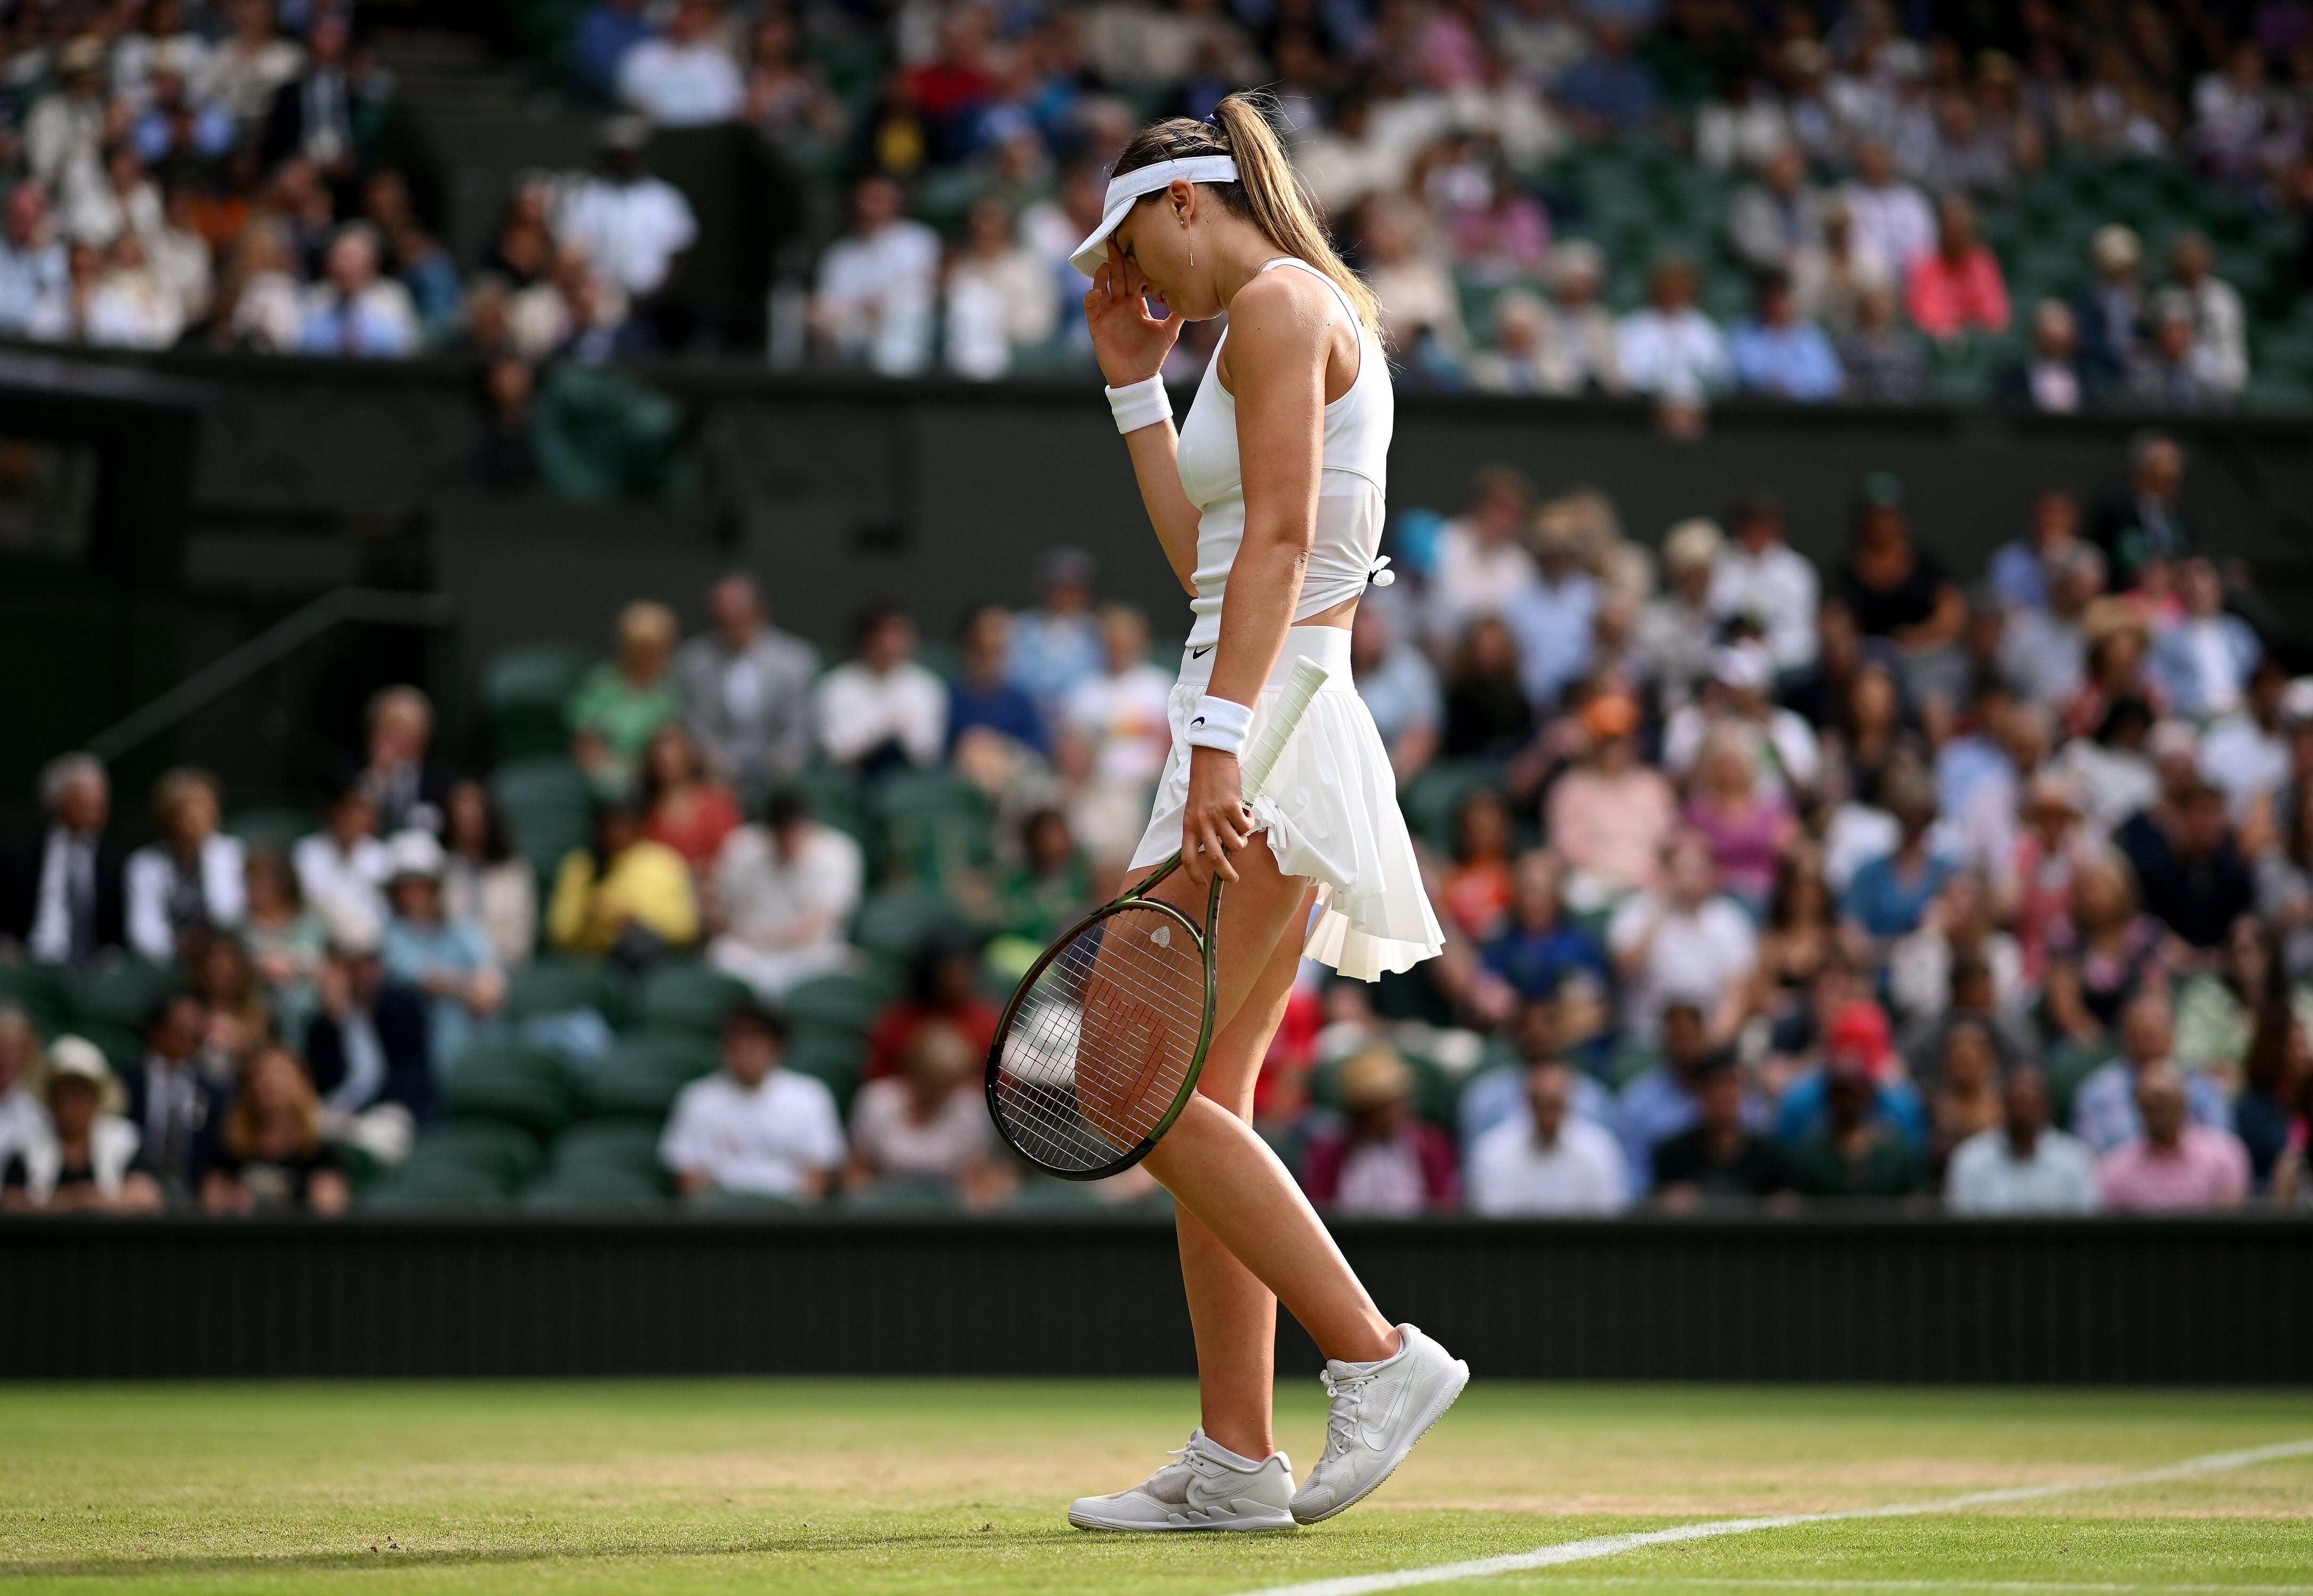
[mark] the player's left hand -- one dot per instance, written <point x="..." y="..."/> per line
<point x="1216" y="823"/>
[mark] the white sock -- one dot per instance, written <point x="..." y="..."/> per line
<point x="1215" y="1448"/>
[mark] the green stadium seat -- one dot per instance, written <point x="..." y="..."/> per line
<point x="40" y="992"/>
<point x="686" y="997"/>
<point x="743" y="1204"/>
<point x="558" y="985"/>
<point x="594" y="1187"/>
<point x="841" y="1002"/>
<point x="123" y="1046"/>
<point x="513" y="1085"/>
<point x="627" y="1144"/>
<point x="272" y="828"/>
<point x="506" y="1154"/>
<point x="834" y="1061"/>
<point x="428" y="1186"/>
<point x="1432" y="798"/>
<point x="642" y="1075"/>
<point x="119" y="993"/>
<point x="896" y="922"/>
<point x="524" y="689"/>
<point x="548" y="806"/>
<point x="935" y="823"/>
<point x="902" y="1197"/>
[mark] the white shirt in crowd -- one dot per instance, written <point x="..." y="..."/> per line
<point x="1124" y="719"/>
<point x="630" y="231"/>
<point x="1581" y="1172"/>
<point x="857" y="710"/>
<point x="680" y="85"/>
<point x="1678" y="356"/>
<point x="875" y="295"/>
<point x="353" y="879"/>
<point x="149" y="877"/>
<point x="24" y="1123"/>
<point x="1986" y="1176"/>
<point x="770" y="902"/>
<point x="995" y="306"/>
<point x="1693" y="956"/>
<point x="1779" y="584"/>
<point x="35" y="291"/>
<point x="67" y="868"/>
<point x="1894" y="222"/>
<point x="1474" y="581"/>
<point x="2243" y="760"/>
<point x="955" y="1138"/>
<point x="767" y="1141"/>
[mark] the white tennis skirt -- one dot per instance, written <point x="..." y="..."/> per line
<point x="1329" y="812"/>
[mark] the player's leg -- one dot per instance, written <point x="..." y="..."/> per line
<point x="1234" y="1315"/>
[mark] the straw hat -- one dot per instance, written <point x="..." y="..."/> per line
<point x="77" y="1058"/>
<point x="1373" y="1077"/>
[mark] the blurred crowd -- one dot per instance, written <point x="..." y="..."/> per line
<point x="1765" y="882"/>
<point x="1676" y="198"/>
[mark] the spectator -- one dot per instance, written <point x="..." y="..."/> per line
<point x="746" y="688"/>
<point x="1668" y="349"/>
<point x="483" y="879"/>
<point x="1894" y="588"/>
<point x="1746" y="125"/>
<point x="1524" y="359"/>
<point x="784" y="892"/>
<point x="189" y="881"/>
<point x="1486" y="709"/>
<point x="1051" y="887"/>
<point x="286" y="940"/>
<point x="1553" y="617"/>
<point x="86" y="1156"/>
<point x="1829" y="278"/>
<point x="1586" y="345"/>
<point x="754" y="1126"/>
<point x="1540" y="947"/>
<point x="2020" y="568"/>
<point x="876" y="285"/>
<point x="1553" y="1162"/>
<point x="2203" y="661"/>
<point x="1482" y="564"/>
<point x="247" y="69"/>
<point x="405" y="789"/>
<point x="999" y="296"/>
<point x="626" y="896"/>
<point x="2172" y="1165"/>
<point x="1890" y="216"/>
<point x="218" y="971"/>
<point x="1857" y="1153"/>
<point x="332" y="108"/>
<point x="1477" y="890"/>
<point x="2194" y="880"/>
<point x="1057" y="645"/>
<point x="880" y="708"/>
<point x="983" y="698"/>
<point x="688" y="809"/>
<point x="2044" y="651"/>
<point x="271" y="1158"/>
<point x="1956" y="288"/>
<point x="604" y="33"/>
<point x="341" y="869"/>
<point x="684" y="78"/>
<point x="174" y="1098"/>
<point x="1888" y="896"/>
<point x="1758" y="575"/>
<point x="1386" y="1161"/>
<point x="1674" y="632"/>
<point x="1400" y="689"/>
<point x="2170" y="370"/>
<point x="1608" y="92"/>
<point x="1772" y="220"/>
<point x="356" y="311"/>
<point x="35" y="282"/>
<point x="1719" y="1161"/>
<point x="2051" y="379"/>
<point x="23" y="1084"/>
<point x="63" y="132"/>
<point x="928" y="1124"/>
<point x="1421" y="313"/>
<point x="1120" y="714"/>
<point x="1683" y="939"/>
<point x="2220" y="324"/>
<point x="2143" y="522"/>
<point x="1666" y="1099"/>
<point x="123" y="304"/>
<point x="1780" y="355"/>
<point x="2023" y="1165"/>
<point x="941" y="990"/>
<point x="630" y="225"/>
<point x="1610" y="816"/>
<point x="1881" y="360"/>
<point x="1964" y="1096"/>
<point x="2275" y="1068"/>
<point x="368" y="1045"/>
<point x="450" y="961"/>
<point x="1746" y="829"/>
<point x="62" y="896"/>
<point x="2112" y="311"/>
<point x="620" y="703"/>
<point x="2106" y="1112"/>
<point x="1789" y="759"/>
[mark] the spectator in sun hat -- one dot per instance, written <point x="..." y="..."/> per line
<point x="450" y="961"/>
<point x="1609" y="816"/>
<point x="87" y="1155"/>
<point x="1386" y="1162"/>
<point x="2112" y="309"/>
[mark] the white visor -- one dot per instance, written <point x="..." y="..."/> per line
<point x="1122" y="191"/>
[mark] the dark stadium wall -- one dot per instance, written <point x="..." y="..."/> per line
<point x="1873" y="1297"/>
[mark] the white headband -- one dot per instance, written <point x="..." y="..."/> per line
<point x="1130" y="186"/>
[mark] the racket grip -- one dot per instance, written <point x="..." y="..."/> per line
<point x="1292" y="702"/>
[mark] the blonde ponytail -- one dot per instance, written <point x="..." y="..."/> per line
<point x="1268" y="191"/>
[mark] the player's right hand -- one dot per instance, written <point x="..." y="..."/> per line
<point x="1129" y="343"/>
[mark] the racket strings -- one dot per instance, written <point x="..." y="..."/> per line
<point x="1100" y="1045"/>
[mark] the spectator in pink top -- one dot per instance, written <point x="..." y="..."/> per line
<point x="2176" y="1165"/>
<point x="1956" y="288"/>
<point x="1745" y="828"/>
<point x="1609" y="816"/>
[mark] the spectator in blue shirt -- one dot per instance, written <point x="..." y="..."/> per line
<point x="1887" y="897"/>
<point x="1607" y="92"/>
<point x="1541" y="948"/>
<point x="2019" y="569"/>
<point x="1057" y="647"/>
<point x="1667" y="1099"/>
<point x="1779" y="354"/>
<point x="449" y="962"/>
<point x="607" y="31"/>
<point x="983" y="695"/>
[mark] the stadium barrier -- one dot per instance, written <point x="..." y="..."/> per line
<point x="1868" y="1297"/>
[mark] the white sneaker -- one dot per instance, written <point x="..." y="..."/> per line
<point x="1199" y="1489"/>
<point x="1379" y="1410"/>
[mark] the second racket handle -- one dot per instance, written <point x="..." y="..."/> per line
<point x="1292" y="702"/>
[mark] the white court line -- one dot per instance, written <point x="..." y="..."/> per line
<point x="1608" y="1545"/>
<point x="2058" y="1587"/>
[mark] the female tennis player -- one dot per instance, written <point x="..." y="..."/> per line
<point x="1268" y="506"/>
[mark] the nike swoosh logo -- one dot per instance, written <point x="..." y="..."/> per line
<point x="1200" y="720"/>
<point x="1367" y="1432"/>
<point x="1201" y="653"/>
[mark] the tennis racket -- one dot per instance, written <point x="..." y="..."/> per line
<point x="1104" y="1038"/>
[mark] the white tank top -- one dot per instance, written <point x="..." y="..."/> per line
<point x="1351" y="483"/>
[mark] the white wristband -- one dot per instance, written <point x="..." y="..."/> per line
<point x="1142" y="404"/>
<point x="1219" y="723"/>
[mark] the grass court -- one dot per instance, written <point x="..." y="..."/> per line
<point x="785" y="1487"/>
